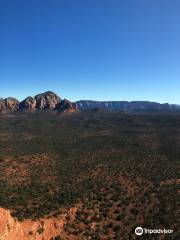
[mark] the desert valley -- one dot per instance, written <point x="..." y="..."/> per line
<point x="74" y="172"/>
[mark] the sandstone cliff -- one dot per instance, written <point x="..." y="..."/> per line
<point x="43" y="101"/>
<point x="2" y="105"/>
<point x="12" y="104"/>
<point x="42" y="229"/>
<point x="66" y="106"/>
<point x="50" y="100"/>
<point x="28" y="103"/>
<point x="125" y="105"/>
<point x="47" y="100"/>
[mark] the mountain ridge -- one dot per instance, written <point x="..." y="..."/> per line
<point x="51" y="101"/>
<point x="125" y="105"/>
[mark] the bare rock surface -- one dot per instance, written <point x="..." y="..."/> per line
<point x="2" y="105"/>
<point x="66" y="106"/>
<point x="42" y="229"/>
<point x="47" y="100"/>
<point x="43" y="101"/>
<point x="11" y="104"/>
<point x="28" y="103"/>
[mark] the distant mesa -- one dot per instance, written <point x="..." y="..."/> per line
<point x="123" y="106"/>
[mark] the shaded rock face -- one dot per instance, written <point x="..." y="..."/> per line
<point x="66" y="106"/>
<point x="28" y="103"/>
<point x="11" y="104"/>
<point x="47" y="100"/>
<point x="2" y="105"/>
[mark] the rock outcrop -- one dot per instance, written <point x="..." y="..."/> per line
<point x="2" y="105"/>
<point x="42" y="229"/>
<point x="44" y="101"/>
<point x="11" y="104"/>
<point x="66" y="106"/>
<point x="28" y="103"/>
<point x="47" y="100"/>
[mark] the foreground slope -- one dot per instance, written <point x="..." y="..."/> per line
<point x="102" y="174"/>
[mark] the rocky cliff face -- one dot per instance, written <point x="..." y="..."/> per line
<point x="28" y="103"/>
<point x="50" y="100"/>
<point x="47" y="100"/>
<point x="2" y="105"/>
<point x="42" y="229"/>
<point x="124" y="105"/>
<point x="66" y="106"/>
<point x="12" y="104"/>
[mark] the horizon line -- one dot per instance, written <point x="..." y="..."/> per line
<point x="95" y="100"/>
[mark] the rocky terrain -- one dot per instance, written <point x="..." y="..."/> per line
<point x="28" y="103"/>
<point x="42" y="229"/>
<point x="2" y="105"/>
<point x="12" y="104"/>
<point x="66" y="106"/>
<point x="47" y="100"/>
<point x="44" y="101"/>
<point x="51" y="101"/>
<point x="9" y="104"/>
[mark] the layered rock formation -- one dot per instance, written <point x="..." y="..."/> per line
<point x="124" y="105"/>
<point x="66" y="106"/>
<point x="51" y="101"/>
<point x="12" y="104"/>
<point x="44" y="101"/>
<point x="2" y="105"/>
<point x="47" y="100"/>
<point x="28" y="103"/>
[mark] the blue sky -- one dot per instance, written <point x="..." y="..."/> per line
<point x="91" y="49"/>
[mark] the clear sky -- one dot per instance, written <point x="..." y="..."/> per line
<point x="91" y="49"/>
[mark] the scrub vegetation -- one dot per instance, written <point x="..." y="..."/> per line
<point x="120" y="170"/>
